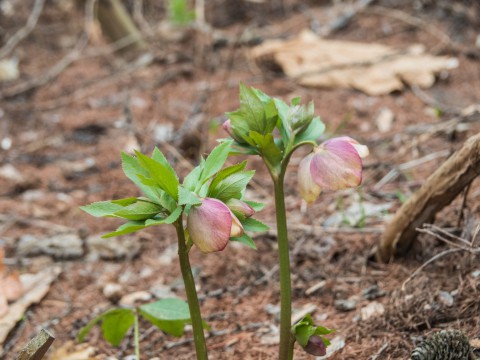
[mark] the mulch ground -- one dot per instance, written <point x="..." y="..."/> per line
<point x="66" y="141"/>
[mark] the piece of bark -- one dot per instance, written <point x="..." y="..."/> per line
<point x="37" y="347"/>
<point x="438" y="191"/>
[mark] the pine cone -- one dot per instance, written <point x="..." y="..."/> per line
<point x="443" y="345"/>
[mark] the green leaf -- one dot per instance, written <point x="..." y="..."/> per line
<point x="253" y="109"/>
<point x="193" y="178"/>
<point x="215" y="160"/>
<point x="125" y="202"/>
<point x="283" y="109"/>
<point x="86" y="329"/>
<point x="102" y="208"/>
<point x="112" y="314"/>
<point x="320" y="330"/>
<point x="115" y="325"/>
<point x="305" y="329"/>
<point x="169" y="315"/>
<point x="167" y="201"/>
<point x="246" y="240"/>
<point x="161" y="174"/>
<point x="267" y="147"/>
<point x="132" y="169"/>
<point x="232" y="186"/>
<point x="186" y="197"/>
<point x="264" y="98"/>
<point x="296" y="101"/>
<point x="179" y="13"/>
<point x="140" y="210"/>
<point x="254" y="225"/>
<point x="256" y="113"/>
<point x="127" y="228"/>
<point x="257" y="206"/>
<point x="312" y="132"/>
<point x="157" y="155"/>
<point x="224" y="173"/>
<point x="242" y="149"/>
<point x="271" y="117"/>
<point x="170" y="219"/>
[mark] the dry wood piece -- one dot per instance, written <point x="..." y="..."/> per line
<point x="37" y="347"/>
<point x="437" y="192"/>
<point x="117" y="24"/>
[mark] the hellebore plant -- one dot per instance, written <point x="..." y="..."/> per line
<point x="211" y="198"/>
<point x="273" y="130"/>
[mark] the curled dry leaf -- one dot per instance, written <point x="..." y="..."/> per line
<point x="372" y="68"/>
<point x="36" y="287"/>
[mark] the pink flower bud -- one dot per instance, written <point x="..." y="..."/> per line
<point x="238" y="206"/>
<point x="227" y="126"/>
<point x="334" y="165"/>
<point x="315" y="346"/>
<point x="211" y="225"/>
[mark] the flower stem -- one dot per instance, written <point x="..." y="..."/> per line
<point x="286" y="343"/>
<point x="192" y="298"/>
<point x="136" y="337"/>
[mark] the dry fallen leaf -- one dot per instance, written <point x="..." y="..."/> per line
<point x="372" y="68"/>
<point x="72" y="351"/>
<point x="36" y="287"/>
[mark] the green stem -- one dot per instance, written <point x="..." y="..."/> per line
<point x="137" y="337"/>
<point x="192" y="298"/>
<point x="286" y="343"/>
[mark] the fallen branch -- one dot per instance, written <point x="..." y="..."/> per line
<point x="23" y="32"/>
<point x="437" y="192"/>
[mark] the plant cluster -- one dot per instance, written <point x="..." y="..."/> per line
<point x="208" y="208"/>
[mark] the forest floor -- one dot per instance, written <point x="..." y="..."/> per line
<point x="66" y="138"/>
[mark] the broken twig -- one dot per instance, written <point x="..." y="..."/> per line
<point x="37" y="347"/>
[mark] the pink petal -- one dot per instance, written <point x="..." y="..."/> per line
<point x="336" y="165"/>
<point x="209" y="225"/>
<point x="308" y="189"/>
<point x="362" y="150"/>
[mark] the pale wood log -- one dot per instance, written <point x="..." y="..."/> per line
<point x="439" y="190"/>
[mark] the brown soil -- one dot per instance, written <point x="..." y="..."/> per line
<point x="91" y="112"/>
